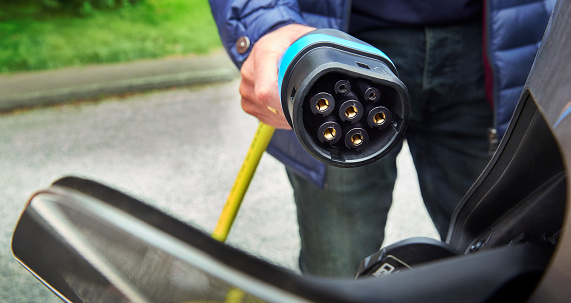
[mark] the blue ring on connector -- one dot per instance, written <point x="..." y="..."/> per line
<point x="305" y="41"/>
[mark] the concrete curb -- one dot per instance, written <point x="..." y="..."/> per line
<point x="42" y="88"/>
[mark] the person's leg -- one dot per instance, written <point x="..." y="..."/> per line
<point x="344" y="223"/>
<point x="448" y="138"/>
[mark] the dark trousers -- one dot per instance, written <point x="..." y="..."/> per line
<point x="442" y="69"/>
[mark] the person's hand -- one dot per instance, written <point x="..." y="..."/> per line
<point x="259" y="85"/>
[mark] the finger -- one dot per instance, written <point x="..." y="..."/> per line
<point x="266" y="88"/>
<point x="251" y="108"/>
<point x="247" y="69"/>
<point x="266" y="114"/>
<point x="246" y="89"/>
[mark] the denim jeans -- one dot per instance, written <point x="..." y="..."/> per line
<point x="442" y="69"/>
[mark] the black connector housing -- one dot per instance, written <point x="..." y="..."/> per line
<point x="344" y="102"/>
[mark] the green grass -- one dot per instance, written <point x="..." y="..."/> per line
<point x="32" y="40"/>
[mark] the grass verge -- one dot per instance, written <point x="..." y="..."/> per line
<point x="33" y="40"/>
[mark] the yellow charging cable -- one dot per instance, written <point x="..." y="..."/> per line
<point x="257" y="147"/>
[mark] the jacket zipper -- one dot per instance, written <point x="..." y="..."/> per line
<point x="492" y="132"/>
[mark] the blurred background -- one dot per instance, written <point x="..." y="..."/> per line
<point x="47" y="34"/>
<point x="140" y="95"/>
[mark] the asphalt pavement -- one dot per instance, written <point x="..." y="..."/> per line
<point x="176" y="140"/>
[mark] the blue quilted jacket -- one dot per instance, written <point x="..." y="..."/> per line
<point x="512" y="33"/>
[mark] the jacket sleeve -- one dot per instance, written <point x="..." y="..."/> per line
<point x="247" y="21"/>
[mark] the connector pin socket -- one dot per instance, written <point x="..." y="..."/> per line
<point x="322" y="103"/>
<point x="329" y="132"/>
<point x="357" y="138"/>
<point x="379" y="117"/>
<point x="372" y="94"/>
<point x="351" y="110"/>
<point x="342" y="87"/>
